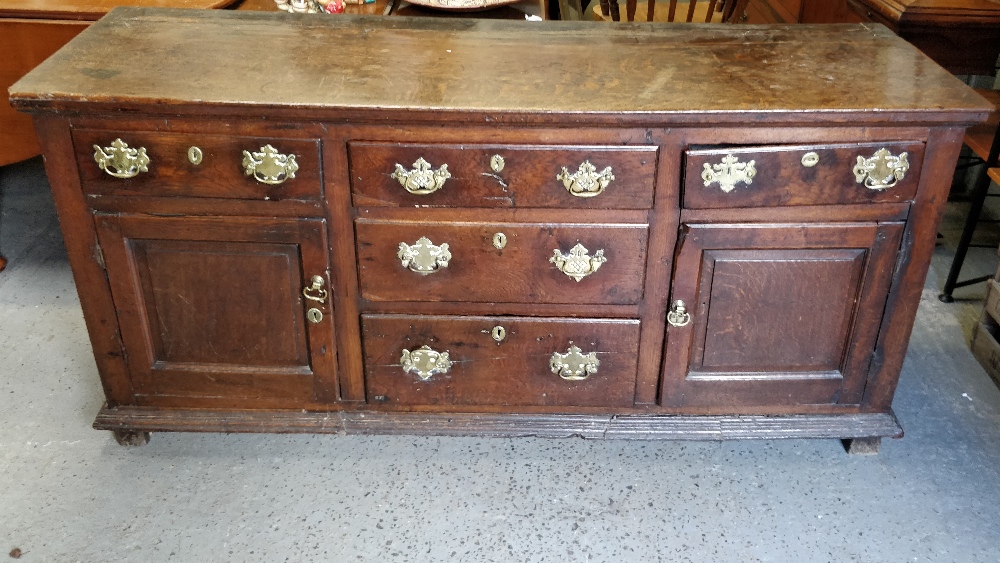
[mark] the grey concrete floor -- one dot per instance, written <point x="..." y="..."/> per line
<point x="70" y="493"/>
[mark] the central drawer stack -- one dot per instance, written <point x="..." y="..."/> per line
<point x="432" y="260"/>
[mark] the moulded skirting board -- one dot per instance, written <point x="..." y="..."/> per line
<point x="633" y="427"/>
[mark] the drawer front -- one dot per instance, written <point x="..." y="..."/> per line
<point x="502" y="361"/>
<point x="392" y="174"/>
<point x="801" y="175"/>
<point x="184" y="165"/>
<point x="501" y="262"/>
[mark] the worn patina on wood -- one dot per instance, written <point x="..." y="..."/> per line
<point x="772" y="192"/>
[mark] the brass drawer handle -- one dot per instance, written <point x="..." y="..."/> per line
<point x="586" y="181"/>
<point x="578" y="264"/>
<point x="421" y="180"/>
<point x="424" y="257"/>
<point x="268" y="166"/>
<point x="574" y="365"/>
<point x="729" y="172"/>
<point x="678" y="315"/>
<point x="425" y="362"/>
<point x="121" y="161"/>
<point x="882" y="170"/>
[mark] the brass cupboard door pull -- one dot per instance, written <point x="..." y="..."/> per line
<point x="268" y="166"/>
<point x="121" y="161"/>
<point x="315" y="292"/>
<point x="678" y="315"/>
<point x="425" y="362"/>
<point x="578" y="264"/>
<point x="574" y="365"/>
<point x="586" y="181"/>
<point x="424" y="257"/>
<point x="882" y="170"/>
<point x="421" y="180"/>
<point x="729" y="172"/>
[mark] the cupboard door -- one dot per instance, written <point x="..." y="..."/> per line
<point x="780" y="315"/>
<point x="215" y="308"/>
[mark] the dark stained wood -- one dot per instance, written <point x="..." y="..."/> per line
<point x="780" y="313"/>
<point x="802" y="288"/>
<point x="214" y="308"/>
<point x="220" y="173"/>
<point x="512" y="372"/>
<point x="513" y="425"/>
<point x="528" y="177"/>
<point x="522" y="272"/>
<point x="782" y="180"/>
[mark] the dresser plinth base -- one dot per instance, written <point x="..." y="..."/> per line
<point x="633" y="427"/>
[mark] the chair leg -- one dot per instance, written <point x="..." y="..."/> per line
<point x="977" y="200"/>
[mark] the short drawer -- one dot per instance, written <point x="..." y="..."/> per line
<point x="773" y="176"/>
<point x="431" y="175"/>
<point x="501" y="262"/>
<point x="502" y="361"/>
<point x="185" y="165"/>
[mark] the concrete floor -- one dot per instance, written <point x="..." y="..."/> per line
<point x="70" y="493"/>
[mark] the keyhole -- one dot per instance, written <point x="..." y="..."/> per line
<point x="314" y="315"/>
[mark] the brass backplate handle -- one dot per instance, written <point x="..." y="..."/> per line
<point x="424" y="257"/>
<point x="421" y="180"/>
<point x="729" y="172"/>
<point x="268" y="166"/>
<point x="574" y="365"/>
<point x="882" y="170"/>
<point x="121" y="161"/>
<point x="678" y="315"/>
<point x="586" y="181"/>
<point x="578" y="264"/>
<point x="425" y="362"/>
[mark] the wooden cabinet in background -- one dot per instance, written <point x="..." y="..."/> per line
<point x="437" y="244"/>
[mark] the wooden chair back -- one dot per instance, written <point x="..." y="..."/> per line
<point x="690" y="11"/>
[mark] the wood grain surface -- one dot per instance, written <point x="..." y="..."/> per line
<point x="484" y="67"/>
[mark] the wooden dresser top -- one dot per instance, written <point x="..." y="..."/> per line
<point x="164" y="60"/>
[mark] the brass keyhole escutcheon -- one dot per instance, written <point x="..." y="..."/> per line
<point x="314" y="315"/>
<point x="497" y="163"/>
<point x="499" y="241"/>
<point x="195" y="155"/>
<point x="498" y="333"/>
<point x="810" y="159"/>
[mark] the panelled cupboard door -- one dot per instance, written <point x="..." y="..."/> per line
<point x="778" y="315"/>
<point x="233" y="311"/>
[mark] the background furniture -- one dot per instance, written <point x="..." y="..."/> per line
<point x="961" y="35"/>
<point x="432" y="243"/>
<point x="800" y="11"/>
<point x="699" y="11"/>
<point x="986" y="334"/>
<point x="984" y="142"/>
<point x="30" y="31"/>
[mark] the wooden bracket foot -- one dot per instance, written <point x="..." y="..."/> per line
<point x="862" y="446"/>
<point x="130" y="437"/>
